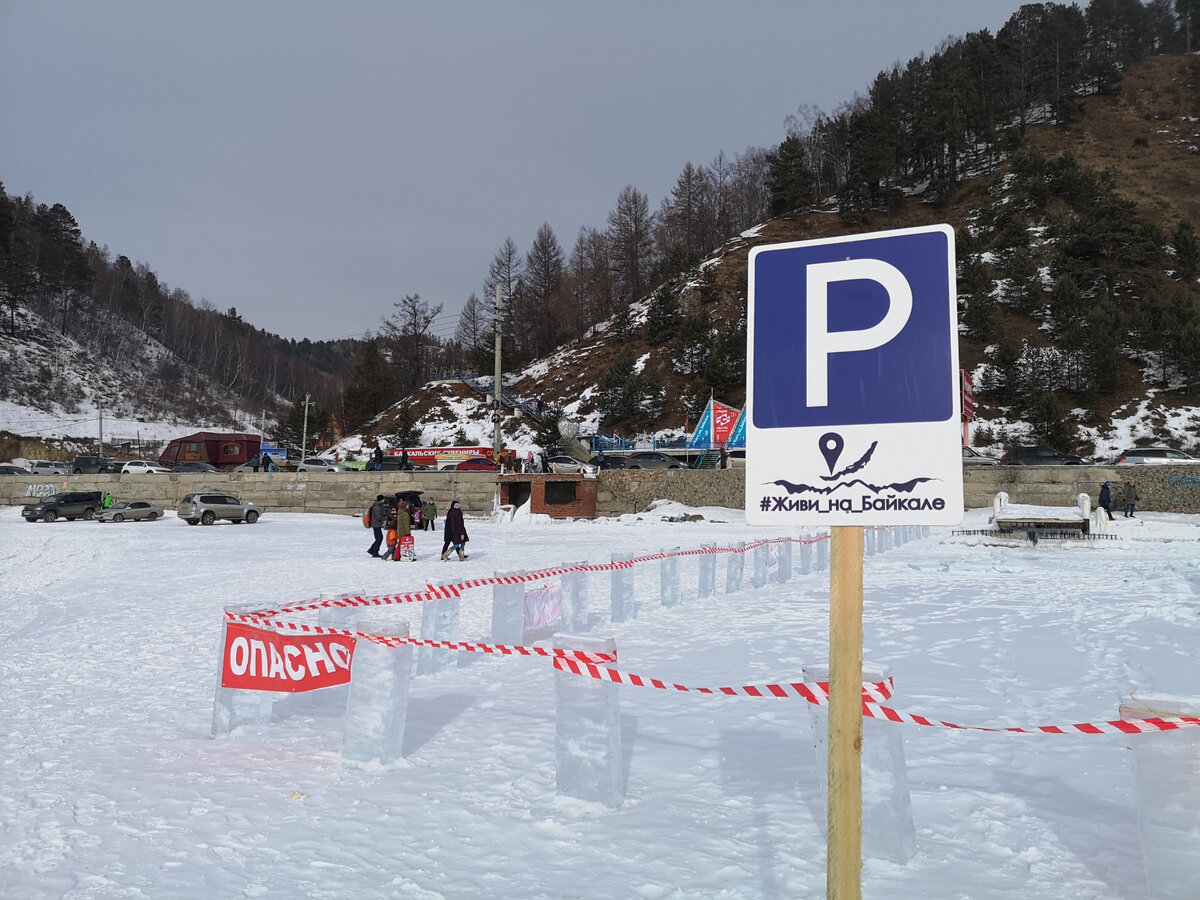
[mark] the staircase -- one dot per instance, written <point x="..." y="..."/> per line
<point x="486" y="388"/>
<point x="709" y="459"/>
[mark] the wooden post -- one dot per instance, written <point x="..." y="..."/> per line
<point x="843" y="875"/>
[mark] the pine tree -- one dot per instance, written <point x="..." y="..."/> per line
<point x="1187" y="251"/>
<point x="789" y="179"/>
<point x="405" y="431"/>
<point x="371" y="390"/>
<point x="662" y="318"/>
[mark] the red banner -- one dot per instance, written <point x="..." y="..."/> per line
<point x="724" y="418"/>
<point x="968" y="397"/>
<point x="254" y="659"/>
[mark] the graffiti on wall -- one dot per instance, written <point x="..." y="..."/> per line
<point x="39" y="490"/>
<point x="1187" y="480"/>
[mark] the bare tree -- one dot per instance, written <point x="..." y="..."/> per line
<point x="473" y="332"/>
<point x="629" y="236"/>
<point x="540" y="297"/>
<point x="406" y="334"/>
<point x="589" y="287"/>
<point x="506" y="272"/>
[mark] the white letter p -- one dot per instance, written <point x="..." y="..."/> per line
<point x="821" y="343"/>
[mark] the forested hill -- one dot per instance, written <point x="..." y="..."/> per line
<point x="73" y="304"/>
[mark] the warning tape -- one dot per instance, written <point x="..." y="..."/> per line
<point x="391" y="641"/>
<point x="818" y="694"/>
<point x="438" y="592"/>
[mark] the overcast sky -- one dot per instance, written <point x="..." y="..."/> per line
<point x="309" y="163"/>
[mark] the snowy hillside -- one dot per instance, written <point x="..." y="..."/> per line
<point x="52" y="385"/>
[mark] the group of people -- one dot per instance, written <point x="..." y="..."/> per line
<point x="393" y="520"/>
<point x="1129" y="497"/>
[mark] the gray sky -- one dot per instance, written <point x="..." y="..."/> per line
<point x="311" y="162"/>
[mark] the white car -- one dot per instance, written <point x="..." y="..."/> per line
<point x="568" y="465"/>
<point x="48" y="467"/>
<point x="143" y="467"/>
<point x="318" y="464"/>
<point x="1155" y="456"/>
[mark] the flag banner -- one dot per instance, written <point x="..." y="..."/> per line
<point x="701" y="438"/>
<point x="724" y="418"/>
<point x="720" y="426"/>
<point x="737" y="440"/>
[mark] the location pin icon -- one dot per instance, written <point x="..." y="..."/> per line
<point x="831" y="444"/>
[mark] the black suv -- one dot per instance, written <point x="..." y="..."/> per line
<point x="95" y="465"/>
<point x="1039" y="456"/>
<point x="70" y="505"/>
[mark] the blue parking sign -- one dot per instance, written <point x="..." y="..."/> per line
<point x="852" y="362"/>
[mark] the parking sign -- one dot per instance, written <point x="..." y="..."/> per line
<point x="852" y="381"/>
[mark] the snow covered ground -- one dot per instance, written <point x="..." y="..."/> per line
<point x="111" y="785"/>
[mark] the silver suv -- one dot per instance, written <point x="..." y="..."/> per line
<point x="205" y="507"/>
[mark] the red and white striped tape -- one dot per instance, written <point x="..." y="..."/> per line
<point x="818" y="693"/>
<point x="437" y="592"/>
<point x="387" y="641"/>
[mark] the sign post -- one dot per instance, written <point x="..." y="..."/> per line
<point x="844" y="815"/>
<point x="852" y="420"/>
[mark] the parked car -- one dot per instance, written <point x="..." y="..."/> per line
<point x="1039" y="456"/>
<point x="476" y="464"/>
<point x="569" y="465"/>
<point x="608" y="462"/>
<point x="1155" y="456"/>
<point x="205" y="507"/>
<point x="69" y="505"/>
<point x="973" y="457"/>
<point x="95" y="465"/>
<point x="389" y="464"/>
<point x="194" y="467"/>
<point x="317" y="464"/>
<point x="413" y="498"/>
<point x="143" y="467"/>
<point x="49" y="467"/>
<point x="10" y="469"/>
<point x="131" y="510"/>
<point x="651" y="459"/>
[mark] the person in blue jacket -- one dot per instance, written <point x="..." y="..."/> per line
<point x="1106" y="498"/>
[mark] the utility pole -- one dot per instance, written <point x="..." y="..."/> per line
<point x="100" y="447"/>
<point x="497" y="445"/>
<point x="304" y="438"/>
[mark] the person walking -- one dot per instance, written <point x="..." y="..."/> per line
<point x="266" y="462"/>
<point x="1130" y="499"/>
<point x="377" y="458"/>
<point x="1106" y="499"/>
<point x="107" y="501"/>
<point x="379" y="516"/>
<point x="455" y="533"/>
<point x="431" y="515"/>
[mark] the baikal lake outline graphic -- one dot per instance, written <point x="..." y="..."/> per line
<point x="831" y="445"/>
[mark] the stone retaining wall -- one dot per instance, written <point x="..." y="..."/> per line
<point x="1162" y="488"/>
<point x="323" y="492"/>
